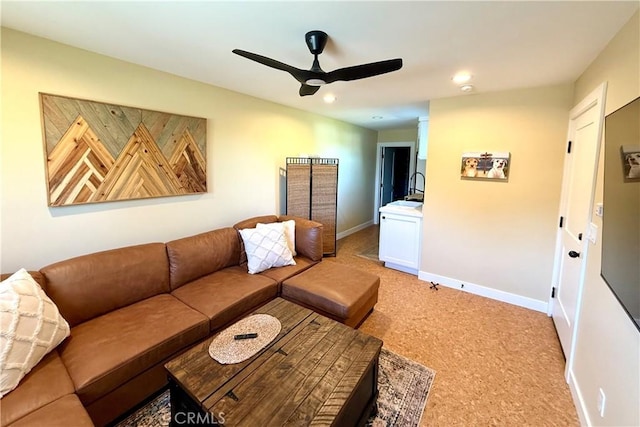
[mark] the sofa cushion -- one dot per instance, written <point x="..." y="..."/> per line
<point x="227" y="294"/>
<point x="36" y="389"/>
<point x="345" y="293"/>
<point x="193" y="257"/>
<point x="129" y="395"/>
<point x="251" y="223"/>
<point x="88" y="286"/>
<point x="289" y="228"/>
<point x="31" y="326"/>
<point x="266" y="247"/>
<point x="64" y="412"/>
<point x="282" y="273"/>
<point x="107" y="351"/>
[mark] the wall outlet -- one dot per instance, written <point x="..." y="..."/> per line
<point x="601" y="402"/>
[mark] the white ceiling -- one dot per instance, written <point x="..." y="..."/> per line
<point x="504" y="45"/>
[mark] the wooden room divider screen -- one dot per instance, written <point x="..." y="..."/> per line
<point x="312" y="192"/>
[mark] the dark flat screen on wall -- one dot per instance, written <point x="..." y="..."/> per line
<point x="621" y="203"/>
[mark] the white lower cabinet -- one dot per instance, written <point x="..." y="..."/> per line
<point x="400" y="241"/>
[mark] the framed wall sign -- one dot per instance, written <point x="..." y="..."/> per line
<point x="630" y="162"/>
<point x="485" y="165"/>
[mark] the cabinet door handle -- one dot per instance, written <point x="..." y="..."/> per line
<point x="384" y="217"/>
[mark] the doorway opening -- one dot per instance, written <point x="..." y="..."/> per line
<point x="395" y="174"/>
<point x="394" y="165"/>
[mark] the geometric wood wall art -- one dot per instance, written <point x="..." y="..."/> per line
<point x="97" y="152"/>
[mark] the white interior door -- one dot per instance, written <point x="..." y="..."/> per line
<point x="578" y="185"/>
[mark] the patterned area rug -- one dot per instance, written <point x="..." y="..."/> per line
<point x="403" y="389"/>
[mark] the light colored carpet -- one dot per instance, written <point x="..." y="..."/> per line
<point x="403" y="387"/>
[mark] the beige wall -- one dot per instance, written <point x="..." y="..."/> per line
<point x="248" y="140"/>
<point x="399" y="135"/>
<point x="607" y="352"/>
<point x="494" y="234"/>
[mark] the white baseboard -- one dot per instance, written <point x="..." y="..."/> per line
<point x="484" y="291"/>
<point x="578" y="401"/>
<point x="355" y="229"/>
<point x="401" y="268"/>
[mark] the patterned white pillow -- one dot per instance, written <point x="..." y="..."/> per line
<point x="30" y="327"/>
<point x="289" y="232"/>
<point x="266" y="247"/>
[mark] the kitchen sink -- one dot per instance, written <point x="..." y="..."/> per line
<point x="406" y="203"/>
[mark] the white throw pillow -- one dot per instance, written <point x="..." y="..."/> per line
<point x="289" y="232"/>
<point x="266" y="247"/>
<point x="30" y="327"/>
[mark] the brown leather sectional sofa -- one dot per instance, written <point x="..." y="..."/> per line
<point x="133" y="309"/>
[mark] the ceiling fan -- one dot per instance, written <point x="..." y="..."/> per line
<point x="312" y="79"/>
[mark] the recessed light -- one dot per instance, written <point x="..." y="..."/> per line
<point x="329" y="98"/>
<point x="466" y="88"/>
<point x="461" y="77"/>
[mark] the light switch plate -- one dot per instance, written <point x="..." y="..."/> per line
<point x="593" y="233"/>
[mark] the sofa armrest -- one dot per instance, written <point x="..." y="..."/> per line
<point x="308" y="237"/>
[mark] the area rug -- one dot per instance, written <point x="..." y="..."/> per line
<point x="403" y="389"/>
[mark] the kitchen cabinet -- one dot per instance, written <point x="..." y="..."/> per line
<point x="401" y="236"/>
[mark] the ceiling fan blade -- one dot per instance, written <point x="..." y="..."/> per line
<point x="363" y="71"/>
<point x="308" y="90"/>
<point x="300" y="75"/>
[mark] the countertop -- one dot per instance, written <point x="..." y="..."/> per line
<point x="403" y="207"/>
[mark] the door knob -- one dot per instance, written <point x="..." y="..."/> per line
<point x="574" y="254"/>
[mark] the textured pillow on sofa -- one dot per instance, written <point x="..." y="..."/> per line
<point x="289" y="232"/>
<point x="266" y="247"/>
<point x="30" y="327"/>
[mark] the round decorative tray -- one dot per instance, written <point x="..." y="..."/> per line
<point x="227" y="350"/>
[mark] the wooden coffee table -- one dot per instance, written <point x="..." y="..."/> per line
<point x="316" y="371"/>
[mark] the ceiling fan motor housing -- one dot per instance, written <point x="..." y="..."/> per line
<point x="316" y="41"/>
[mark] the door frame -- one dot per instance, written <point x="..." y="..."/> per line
<point x="412" y="168"/>
<point x="596" y="98"/>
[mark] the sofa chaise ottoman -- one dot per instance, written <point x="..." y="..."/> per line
<point x="334" y="290"/>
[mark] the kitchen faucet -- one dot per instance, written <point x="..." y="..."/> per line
<point x="414" y="177"/>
